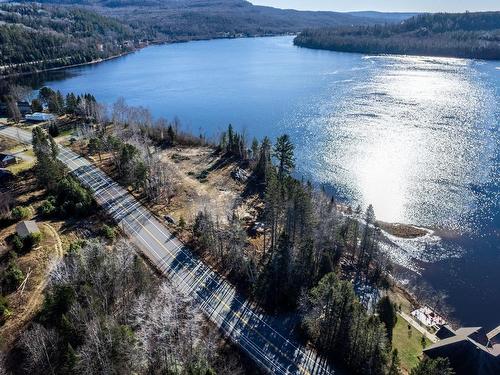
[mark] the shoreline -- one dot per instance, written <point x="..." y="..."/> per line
<point x="401" y="230"/>
<point x="154" y="43"/>
<point x="385" y="53"/>
<point x="37" y="71"/>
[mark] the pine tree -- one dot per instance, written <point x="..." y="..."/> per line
<point x="283" y="151"/>
<point x="171" y="134"/>
<point x="48" y="169"/>
<point x="71" y="103"/>
<point x="230" y="138"/>
<point x="255" y="149"/>
<point x="36" y="105"/>
<point x="395" y="364"/>
<point x="368" y="242"/>
<point x="264" y="161"/>
<point x="387" y="314"/>
<point x="428" y="366"/>
<point x="13" y="110"/>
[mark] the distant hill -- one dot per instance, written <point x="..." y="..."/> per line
<point x="389" y="17"/>
<point x="199" y="19"/>
<point x="467" y="35"/>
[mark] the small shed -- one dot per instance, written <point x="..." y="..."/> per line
<point x="26" y="228"/>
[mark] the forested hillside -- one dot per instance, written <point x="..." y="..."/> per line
<point x="201" y="19"/>
<point x="172" y="20"/>
<point x="34" y="37"/>
<point x="468" y="35"/>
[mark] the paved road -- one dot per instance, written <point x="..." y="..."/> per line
<point x="268" y="340"/>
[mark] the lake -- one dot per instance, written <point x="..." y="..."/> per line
<point x="417" y="137"/>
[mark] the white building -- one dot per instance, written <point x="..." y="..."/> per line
<point x="39" y="117"/>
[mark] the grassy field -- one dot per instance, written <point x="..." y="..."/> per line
<point x="25" y="155"/>
<point x="408" y="342"/>
<point x="23" y="164"/>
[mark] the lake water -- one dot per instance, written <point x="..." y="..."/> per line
<point x="417" y="137"/>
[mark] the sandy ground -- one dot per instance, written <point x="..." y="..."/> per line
<point x="203" y="182"/>
<point x="6" y="144"/>
<point x="36" y="264"/>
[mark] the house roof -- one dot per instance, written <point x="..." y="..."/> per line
<point x="493" y="333"/>
<point x="445" y="342"/>
<point x="40" y="116"/>
<point x="472" y="336"/>
<point x="4" y="157"/>
<point x="444" y="332"/>
<point x="467" y="331"/>
<point x="25" y="228"/>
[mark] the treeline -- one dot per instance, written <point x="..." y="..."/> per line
<point x="66" y="195"/>
<point x="465" y="35"/>
<point x="35" y="37"/>
<point x="84" y="106"/>
<point x="105" y="312"/>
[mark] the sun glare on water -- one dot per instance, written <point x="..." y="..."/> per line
<point x="406" y="139"/>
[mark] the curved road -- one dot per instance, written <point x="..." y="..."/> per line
<point x="267" y="340"/>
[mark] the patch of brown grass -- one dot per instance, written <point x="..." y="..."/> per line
<point x="6" y="143"/>
<point x="36" y="264"/>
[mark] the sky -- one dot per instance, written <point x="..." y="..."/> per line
<point x="385" y="5"/>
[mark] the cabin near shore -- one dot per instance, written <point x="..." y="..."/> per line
<point x="471" y="350"/>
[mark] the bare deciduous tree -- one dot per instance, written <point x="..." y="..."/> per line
<point x="6" y="202"/>
<point x="3" y="369"/>
<point x="160" y="180"/>
<point x="40" y="344"/>
<point x="20" y="93"/>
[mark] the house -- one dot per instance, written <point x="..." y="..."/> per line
<point x="26" y="228"/>
<point x="6" y="160"/>
<point x="471" y="350"/>
<point x="39" y="117"/>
